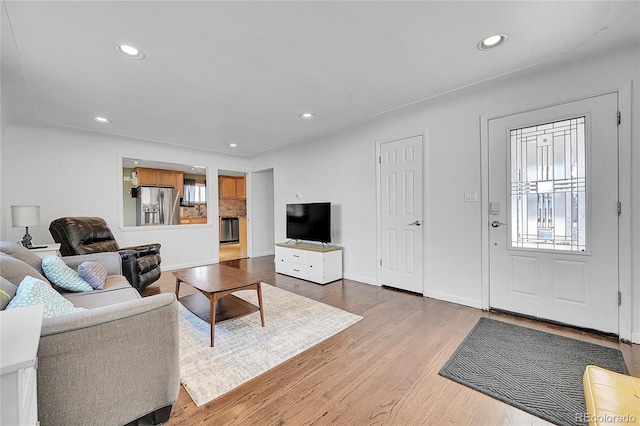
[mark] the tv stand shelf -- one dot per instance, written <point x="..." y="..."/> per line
<point x="311" y="262"/>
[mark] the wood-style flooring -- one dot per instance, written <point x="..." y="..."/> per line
<point x="381" y="371"/>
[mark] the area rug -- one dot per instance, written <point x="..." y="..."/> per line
<point x="243" y="349"/>
<point x="535" y="371"/>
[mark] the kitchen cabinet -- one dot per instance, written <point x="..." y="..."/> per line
<point x="243" y="237"/>
<point x="178" y="179"/>
<point x="241" y="189"/>
<point x="160" y="177"/>
<point x="190" y="220"/>
<point x="232" y="188"/>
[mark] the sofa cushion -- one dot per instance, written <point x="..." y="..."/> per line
<point x="100" y="298"/>
<point x="18" y="251"/>
<point x="33" y="291"/>
<point x="14" y="270"/>
<point x="10" y="290"/>
<point x="93" y="273"/>
<point x="63" y="276"/>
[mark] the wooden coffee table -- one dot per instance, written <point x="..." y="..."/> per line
<point x="217" y="282"/>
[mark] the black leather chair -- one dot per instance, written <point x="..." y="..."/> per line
<point x="84" y="235"/>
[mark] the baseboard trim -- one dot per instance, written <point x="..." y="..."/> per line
<point x="473" y="303"/>
<point x="264" y="253"/>
<point x="168" y="268"/>
<point x="359" y="279"/>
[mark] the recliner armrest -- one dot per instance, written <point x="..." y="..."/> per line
<point x="129" y="266"/>
<point x="146" y="249"/>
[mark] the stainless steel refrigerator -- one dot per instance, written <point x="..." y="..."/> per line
<point x="157" y="206"/>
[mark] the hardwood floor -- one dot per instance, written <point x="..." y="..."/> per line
<point x="381" y="371"/>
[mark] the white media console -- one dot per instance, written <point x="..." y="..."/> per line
<point x="311" y="262"/>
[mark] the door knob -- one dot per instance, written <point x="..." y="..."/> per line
<point x="495" y="223"/>
<point x="416" y="223"/>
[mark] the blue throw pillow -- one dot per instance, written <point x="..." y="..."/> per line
<point x="63" y="276"/>
<point x="33" y="291"/>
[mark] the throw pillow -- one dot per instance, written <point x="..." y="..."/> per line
<point x="33" y="291"/>
<point x="21" y="253"/>
<point x="63" y="276"/>
<point x="93" y="273"/>
<point x="14" y="270"/>
<point x="10" y="290"/>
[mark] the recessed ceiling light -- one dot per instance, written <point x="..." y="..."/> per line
<point x="233" y="145"/>
<point x="101" y="120"/>
<point x="129" y="51"/>
<point x="306" y="116"/>
<point x="492" y="41"/>
<point x="136" y="162"/>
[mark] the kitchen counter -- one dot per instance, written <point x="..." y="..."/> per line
<point x="190" y="220"/>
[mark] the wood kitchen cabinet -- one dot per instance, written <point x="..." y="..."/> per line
<point x="160" y="177"/>
<point x="232" y="188"/>
<point x="191" y="220"/>
<point x="241" y="189"/>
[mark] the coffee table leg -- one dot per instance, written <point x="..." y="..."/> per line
<point x="213" y="299"/>
<point x="177" y="286"/>
<point x="260" y="304"/>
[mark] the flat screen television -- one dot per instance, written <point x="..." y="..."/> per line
<point x="309" y="221"/>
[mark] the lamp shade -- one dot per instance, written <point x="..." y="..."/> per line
<point x="25" y="216"/>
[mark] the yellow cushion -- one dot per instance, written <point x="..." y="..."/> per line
<point x="611" y="398"/>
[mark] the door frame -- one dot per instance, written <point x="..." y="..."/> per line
<point x="625" y="239"/>
<point x="425" y="204"/>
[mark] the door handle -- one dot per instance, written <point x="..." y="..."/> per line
<point x="495" y="224"/>
<point x="416" y="223"/>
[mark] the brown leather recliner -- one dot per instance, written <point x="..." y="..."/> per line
<point x="84" y="235"/>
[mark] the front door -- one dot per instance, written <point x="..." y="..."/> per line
<point x="401" y="213"/>
<point x="553" y="218"/>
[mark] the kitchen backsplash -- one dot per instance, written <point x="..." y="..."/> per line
<point x="232" y="208"/>
<point x="193" y="211"/>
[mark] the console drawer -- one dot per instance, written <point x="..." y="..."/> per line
<point x="298" y="271"/>
<point x="297" y="256"/>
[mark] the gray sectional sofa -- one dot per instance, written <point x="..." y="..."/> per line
<point x="111" y="364"/>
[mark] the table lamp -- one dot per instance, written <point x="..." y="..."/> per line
<point x="25" y="216"/>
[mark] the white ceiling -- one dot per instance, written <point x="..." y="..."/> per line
<point x="219" y="72"/>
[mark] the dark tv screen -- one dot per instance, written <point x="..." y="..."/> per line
<point x="310" y="221"/>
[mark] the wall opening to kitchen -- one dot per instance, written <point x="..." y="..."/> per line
<point x="232" y="215"/>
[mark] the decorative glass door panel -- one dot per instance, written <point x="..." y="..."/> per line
<point x="548" y="186"/>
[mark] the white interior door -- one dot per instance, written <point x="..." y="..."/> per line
<point x="553" y="196"/>
<point x="401" y="213"/>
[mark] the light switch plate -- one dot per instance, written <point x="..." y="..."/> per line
<point x="470" y="197"/>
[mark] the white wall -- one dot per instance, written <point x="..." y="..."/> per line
<point x="341" y="169"/>
<point x="70" y="172"/>
<point x="262" y="213"/>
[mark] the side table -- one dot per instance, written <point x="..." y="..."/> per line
<point x="19" y="340"/>
<point x="53" y="248"/>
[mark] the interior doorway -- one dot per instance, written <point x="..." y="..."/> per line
<point x="400" y="184"/>
<point x="232" y="215"/>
